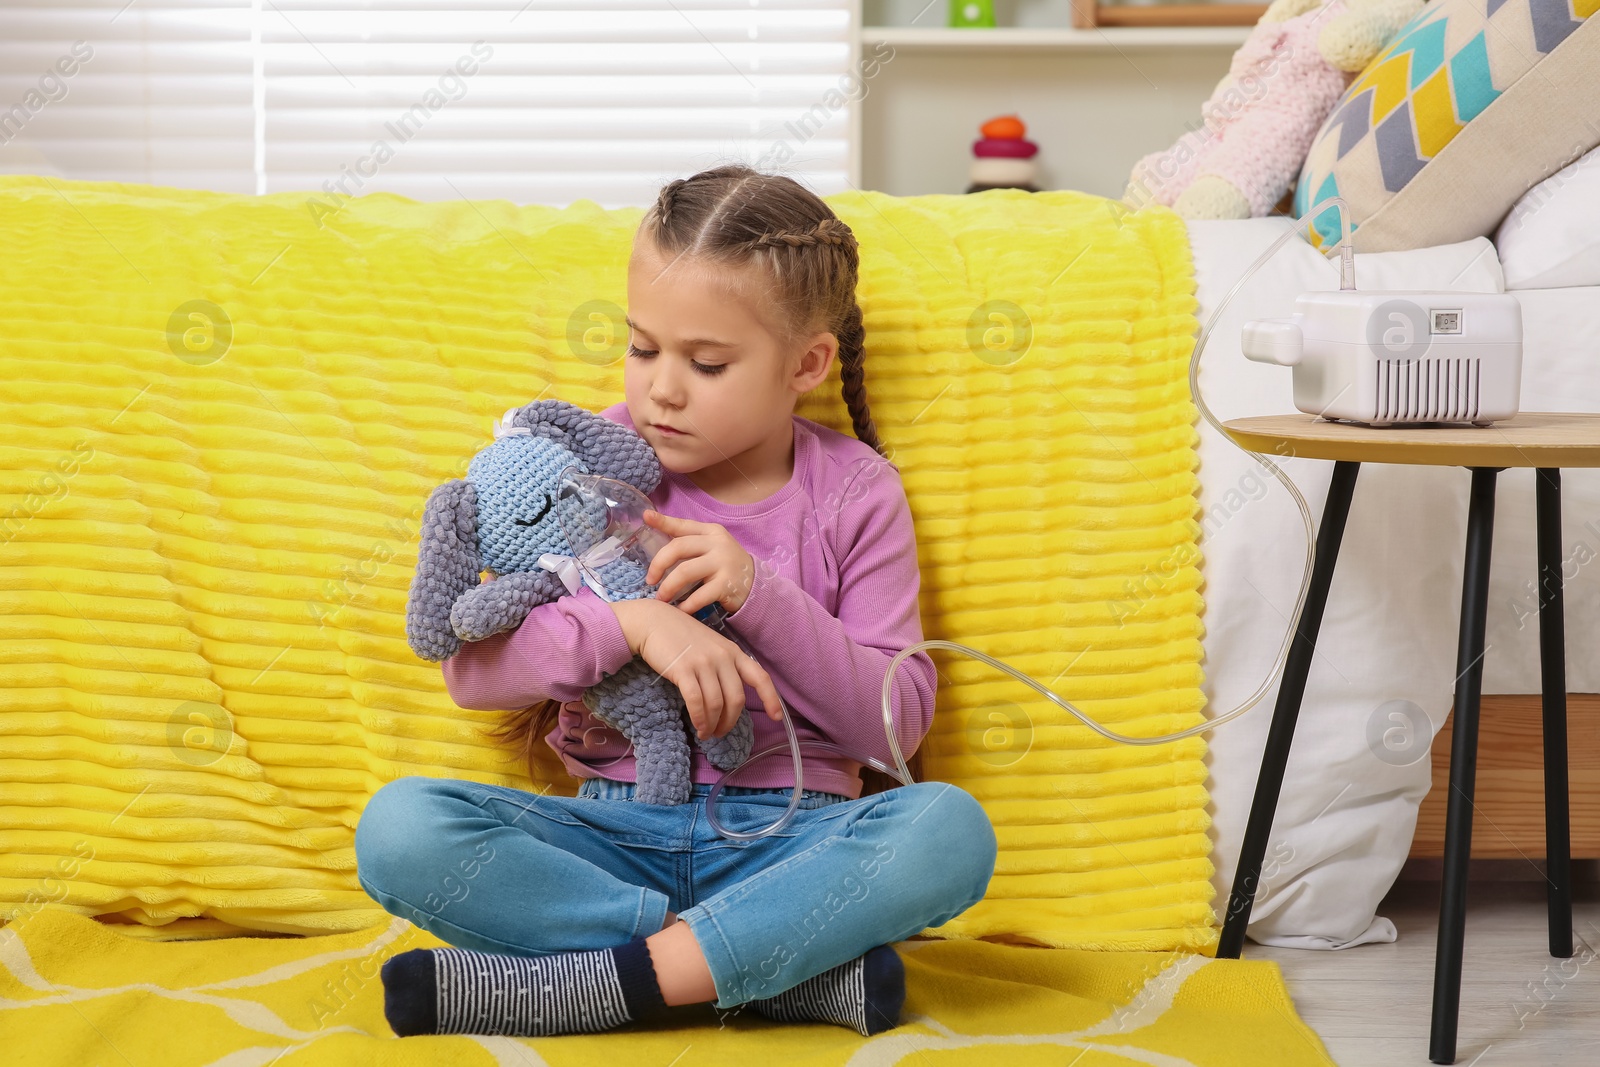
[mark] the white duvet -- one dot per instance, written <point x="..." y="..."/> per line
<point x="1360" y="765"/>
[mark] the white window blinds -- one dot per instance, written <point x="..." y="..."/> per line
<point x="535" y="102"/>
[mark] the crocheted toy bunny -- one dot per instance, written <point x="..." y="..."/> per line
<point x="1260" y="120"/>
<point x="509" y="515"/>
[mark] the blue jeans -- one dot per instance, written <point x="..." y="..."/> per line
<point x="505" y="870"/>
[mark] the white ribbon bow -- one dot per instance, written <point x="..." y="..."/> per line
<point x="503" y="427"/>
<point x="572" y="570"/>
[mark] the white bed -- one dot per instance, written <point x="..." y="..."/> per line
<point x="1346" y="816"/>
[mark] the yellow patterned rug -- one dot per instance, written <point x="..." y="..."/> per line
<point x="74" y="992"/>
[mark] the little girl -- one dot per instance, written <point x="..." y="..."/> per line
<point x="581" y="914"/>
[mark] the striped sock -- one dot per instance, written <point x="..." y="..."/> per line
<point x="864" y="994"/>
<point x="460" y="991"/>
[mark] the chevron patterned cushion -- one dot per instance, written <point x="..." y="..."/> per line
<point x="1472" y="103"/>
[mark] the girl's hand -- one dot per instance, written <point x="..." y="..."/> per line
<point x="708" y="669"/>
<point x="705" y="552"/>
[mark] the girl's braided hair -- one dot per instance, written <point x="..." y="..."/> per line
<point x="777" y="234"/>
<point x="783" y="248"/>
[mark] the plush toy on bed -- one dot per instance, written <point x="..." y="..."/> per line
<point x="1261" y="118"/>
<point x="509" y="512"/>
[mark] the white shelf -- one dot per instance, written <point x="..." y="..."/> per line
<point x="1010" y="38"/>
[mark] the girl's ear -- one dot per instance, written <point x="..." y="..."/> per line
<point x="448" y="562"/>
<point x="606" y="448"/>
<point x="815" y="361"/>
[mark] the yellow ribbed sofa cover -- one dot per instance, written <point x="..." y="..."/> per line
<point x="222" y="415"/>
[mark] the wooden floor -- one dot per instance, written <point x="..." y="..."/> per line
<point x="1519" y="1006"/>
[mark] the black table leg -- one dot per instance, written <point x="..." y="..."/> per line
<point x="1463" y="768"/>
<point x="1553" y="684"/>
<point x="1275" y="758"/>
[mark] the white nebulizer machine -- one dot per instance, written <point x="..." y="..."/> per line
<point x="1378" y="358"/>
<point x="1391" y="358"/>
<point x="1398" y="358"/>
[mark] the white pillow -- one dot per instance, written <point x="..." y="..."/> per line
<point x="1551" y="237"/>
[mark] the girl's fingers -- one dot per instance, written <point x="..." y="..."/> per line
<point x="698" y="599"/>
<point x="682" y="577"/>
<point x="711" y="698"/>
<point x="669" y="554"/>
<point x="679" y="548"/>
<point x="691" y="700"/>
<point x="761" y="682"/>
<point x="733" y="694"/>
<point x="670" y="523"/>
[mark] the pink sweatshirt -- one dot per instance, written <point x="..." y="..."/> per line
<point x="833" y="599"/>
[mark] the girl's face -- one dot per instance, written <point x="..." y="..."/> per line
<point x="706" y="379"/>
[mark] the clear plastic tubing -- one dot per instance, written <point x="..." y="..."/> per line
<point x="903" y="773"/>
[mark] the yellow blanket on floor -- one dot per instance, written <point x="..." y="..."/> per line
<point x="76" y="992"/>
<point x="223" y="414"/>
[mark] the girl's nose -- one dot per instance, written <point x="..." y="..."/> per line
<point x="666" y="388"/>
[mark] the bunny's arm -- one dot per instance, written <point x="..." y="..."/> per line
<point x="560" y="649"/>
<point x="500" y="605"/>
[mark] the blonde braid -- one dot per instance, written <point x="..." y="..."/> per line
<point x="852" y="376"/>
<point x="664" y="202"/>
<point x="827" y="232"/>
<point x="834" y="233"/>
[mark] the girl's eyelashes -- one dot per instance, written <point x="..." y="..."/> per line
<point x="704" y="368"/>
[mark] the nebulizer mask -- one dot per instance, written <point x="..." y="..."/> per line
<point x="624" y="535"/>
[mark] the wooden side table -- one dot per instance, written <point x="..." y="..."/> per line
<point x="1546" y="441"/>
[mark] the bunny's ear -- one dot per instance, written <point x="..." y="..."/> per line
<point x="607" y="448"/>
<point x="448" y="563"/>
